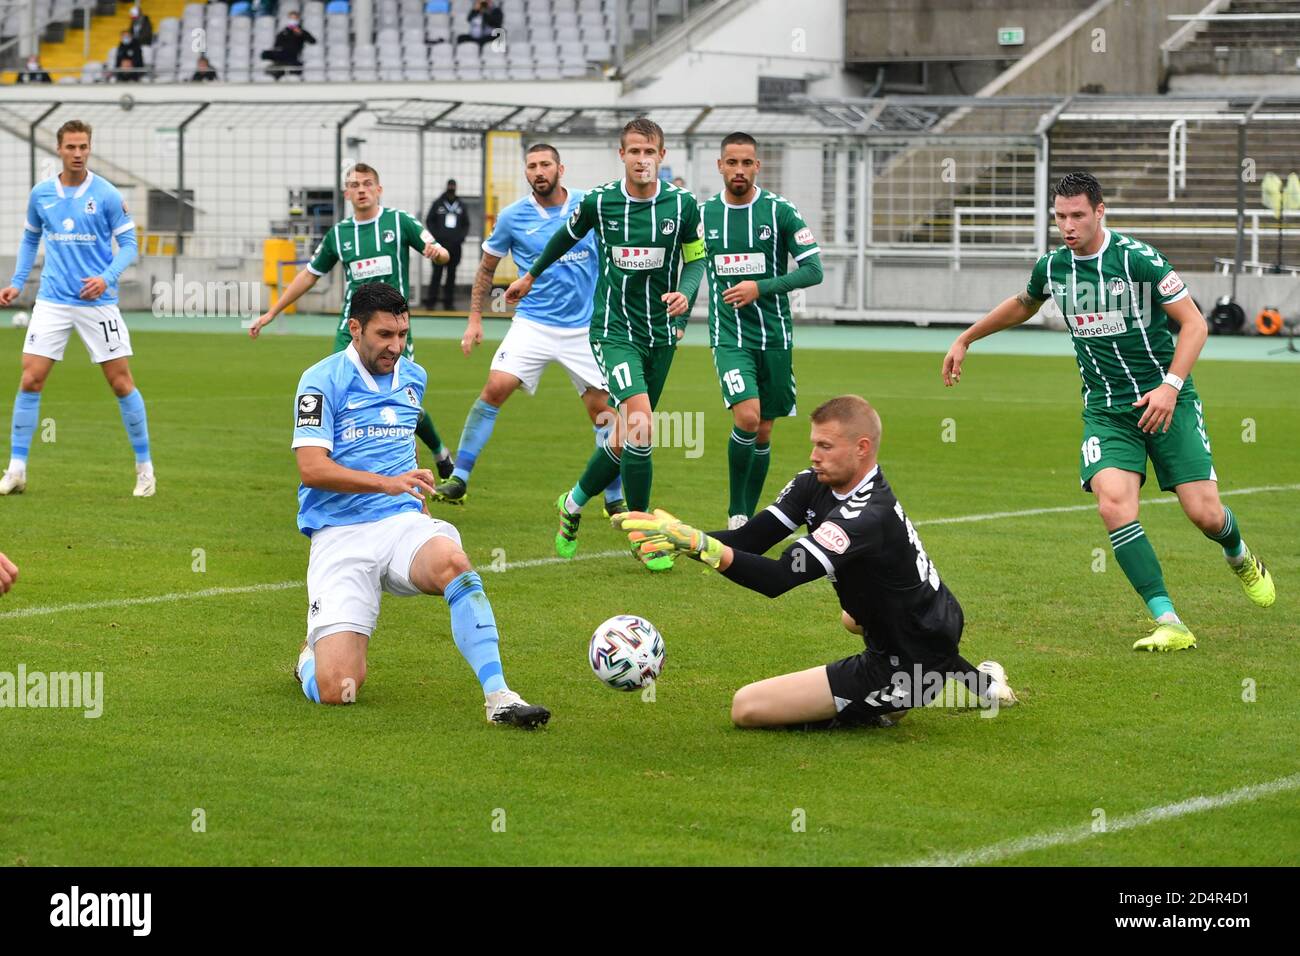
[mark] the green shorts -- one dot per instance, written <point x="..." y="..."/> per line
<point x="1112" y="439"/>
<point x="631" y="369"/>
<point x="343" y="338"/>
<point x="764" y="374"/>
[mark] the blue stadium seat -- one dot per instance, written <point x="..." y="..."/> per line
<point x="437" y="6"/>
<point x="338" y="6"/>
<point x="241" y="9"/>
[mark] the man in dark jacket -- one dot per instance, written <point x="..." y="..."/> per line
<point x="448" y="220"/>
<point x="286" y="55"/>
<point x="126" y="50"/>
<point x="34" y="73"/>
<point x="141" y="26"/>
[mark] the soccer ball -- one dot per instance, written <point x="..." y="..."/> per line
<point x="626" y="652"/>
<point x="20" y="320"/>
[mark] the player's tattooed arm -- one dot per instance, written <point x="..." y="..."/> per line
<point x="482" y="290"/>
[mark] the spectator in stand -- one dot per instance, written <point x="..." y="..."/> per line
<point x="286" y="55"/>
<point x="34" y="72"/>
<point x="128" y="50"/>
<point x="203" y="71"/>
<point x="485" y="22"/>
<point x="679" y="182"/>
<point x="141" y="27"/>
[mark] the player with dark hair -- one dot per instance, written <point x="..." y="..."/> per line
<point x="749" y="233"/>
<point x="643" y="227"/>
<point x="551" y="326"/>
<point x="373" y="245"/>
<point x="889" y="590"/>
<point x="361" y="502"/>
<point x="1118" y="295"/>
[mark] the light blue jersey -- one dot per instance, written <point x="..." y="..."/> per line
<point x="563" y="295"/>
<point x="365" y="423"/>
<point x="78" y="225"/>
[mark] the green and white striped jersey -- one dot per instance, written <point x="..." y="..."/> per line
<point x="753" y="242"/>
<point x="377" y="250"/>
<point x="1113" y="303"/>
<point x="640" y="242"/>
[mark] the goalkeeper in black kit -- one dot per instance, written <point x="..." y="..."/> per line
<point x="889" y="590"/>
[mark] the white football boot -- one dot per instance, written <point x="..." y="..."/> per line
<point x="736" y="522"/>
<point x="145" y="484"/>
<point x="507" y="707"/>
<point x="13" y="482"/>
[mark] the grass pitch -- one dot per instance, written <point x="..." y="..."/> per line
<point x="204" y="724"/>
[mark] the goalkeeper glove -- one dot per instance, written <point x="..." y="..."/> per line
<point x="663" y="530"/>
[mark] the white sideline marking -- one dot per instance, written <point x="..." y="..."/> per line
<point x="991" y="516"/>
<point x="1077" y="834"/>
<point x="154" y="599"/>
<point x="542" y="562"/>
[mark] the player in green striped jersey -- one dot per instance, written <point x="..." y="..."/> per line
<point x="643" y="227"/>
<point x="749" y="233"/>
<point x="374" y="245"/>
<point x="1118" y="295"/>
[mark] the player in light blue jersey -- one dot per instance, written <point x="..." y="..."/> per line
<point x="361" y="502"/>
<point x="79" y="215"/>
<point x="549" y="326"/>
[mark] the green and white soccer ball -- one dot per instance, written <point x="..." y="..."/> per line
<point x="626" y="652"/>
<point x="20" y="320"/>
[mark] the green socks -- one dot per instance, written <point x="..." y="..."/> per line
<point x="740" y="456"/>
<point x="602" y="468"/>
<point x="757" y="475"/>
<point x="638" y="473"/>
<point x="1135" y="555"/>
<point x="1229" y="537"/>
<point x="425" y="431"/>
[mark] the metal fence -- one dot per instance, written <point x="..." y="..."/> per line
<point x="946" y="183"/>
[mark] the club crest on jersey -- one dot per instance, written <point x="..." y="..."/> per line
<point x="90" y="207"/>
<point x="831" y="537"/>
<point x="1170" y="284"/>
<point x="412" y="397"/>
<point x="669" y="227"/>
<point x="1116" y="287"/>
<point x="764" y="233"/>
<point x="309" y="410"/>
<point x="390" y="236"/>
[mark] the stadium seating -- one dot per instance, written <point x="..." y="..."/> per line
<point x="412" y="40"/>
<point x="1244" y="46"/>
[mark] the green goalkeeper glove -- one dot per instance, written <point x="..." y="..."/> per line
<point x="662" y="530"/>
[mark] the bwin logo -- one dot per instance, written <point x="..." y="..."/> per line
<point x="103" y="909"/>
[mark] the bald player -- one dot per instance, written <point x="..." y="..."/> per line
<point x="889" y="590"/>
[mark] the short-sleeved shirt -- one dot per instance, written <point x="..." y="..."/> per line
<point x="78" y="225"/>
<point x="873" y="556"/>
<point x="1113" y="303"/>
<point x="365" y="423"/>
<point x="562" y="296"/>
<point x="753" y="242"/>
<point x="377" y="250"/>
<point x="640" y="243"/>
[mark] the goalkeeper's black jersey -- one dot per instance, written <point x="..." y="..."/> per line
<point x="872" y="554"/>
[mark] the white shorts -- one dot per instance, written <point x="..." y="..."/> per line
<point x="531" y="346"/>
<point x="350" y="564"/>
<point x="101" y="327"/>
